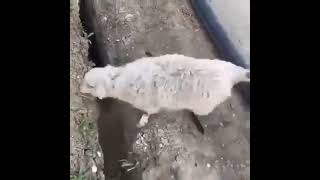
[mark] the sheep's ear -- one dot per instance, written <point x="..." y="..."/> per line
<point x="100" y="91"/>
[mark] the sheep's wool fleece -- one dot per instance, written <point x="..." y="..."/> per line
<point x="176" y="82"/>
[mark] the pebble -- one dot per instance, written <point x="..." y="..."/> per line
<point x="160" y="145"/>
<point x="128" y="17"/>
<point x="99" y="154"/>
<point x="221" y="124"/>
<point x="94" y="168"/>
<point x="208" y="165"/>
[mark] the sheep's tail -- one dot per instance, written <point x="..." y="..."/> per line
<point x="241" y="75"/>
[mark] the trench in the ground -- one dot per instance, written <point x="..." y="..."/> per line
<point x="115" y="135"/>
<point x="87" y="24"/>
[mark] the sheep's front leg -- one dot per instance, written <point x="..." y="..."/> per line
<point x="143" y="120"/>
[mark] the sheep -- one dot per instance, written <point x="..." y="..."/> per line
<point x="170" y="82"/>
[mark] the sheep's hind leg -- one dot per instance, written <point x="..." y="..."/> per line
<point x="143" y="120"/>
<point x="196" y="122"/>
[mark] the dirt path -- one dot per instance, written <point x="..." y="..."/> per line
<point x="169" y="147"/>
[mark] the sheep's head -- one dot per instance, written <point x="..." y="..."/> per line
<point x="97" y="82"/>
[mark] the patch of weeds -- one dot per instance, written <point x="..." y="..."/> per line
<point x="79" y="177"/>
<point x="87" y="128"/>
<point x="87" y="36"/>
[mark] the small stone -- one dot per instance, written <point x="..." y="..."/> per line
<point x="222" y="145"/>
<point x="221" y="158"/>
<point x="205" y="125"/>
<point x="160" y="145"/>
<point x="208" y="165"/>
<point x="128" y="17"/>
<point x="94" y="168"/>
<point x="233" y="115"/>
<point x="221" y="124"/>
<point x="105" y="18"/>
<point x="99" y="154"/>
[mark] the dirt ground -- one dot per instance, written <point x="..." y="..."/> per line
<point x="85" y="151"/>
<point x="170" y="146"/>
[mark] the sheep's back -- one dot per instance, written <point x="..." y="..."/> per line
<point x="175" y="83"/>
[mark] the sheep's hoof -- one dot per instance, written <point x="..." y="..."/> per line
<point x="143" y="121"/>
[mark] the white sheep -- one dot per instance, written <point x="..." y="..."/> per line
<point x="168" y="82"/>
